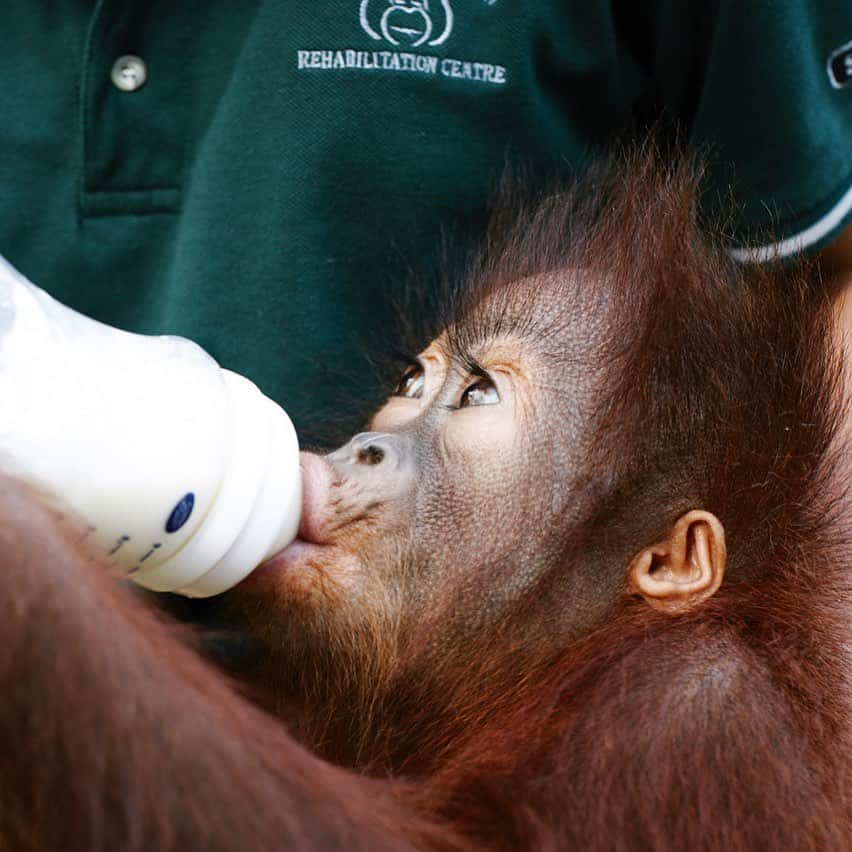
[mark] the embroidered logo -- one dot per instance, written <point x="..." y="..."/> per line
<point x="407" y="22"/>
<point x="404" y="25"/>
<point x="840" y="66"/>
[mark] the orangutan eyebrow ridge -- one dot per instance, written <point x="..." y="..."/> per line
<point x="470" y="365"/>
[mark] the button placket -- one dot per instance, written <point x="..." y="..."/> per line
<point x="129" y="73"/>
<point x="133" y="123"/>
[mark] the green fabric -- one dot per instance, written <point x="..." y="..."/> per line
<point x="269" y="189"/>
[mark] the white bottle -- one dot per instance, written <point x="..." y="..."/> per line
<point x="186" y="475"/>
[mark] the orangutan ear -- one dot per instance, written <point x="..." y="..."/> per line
<point x="685" y="568"/>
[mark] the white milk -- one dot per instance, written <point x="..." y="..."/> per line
<point x="186" y="475"/>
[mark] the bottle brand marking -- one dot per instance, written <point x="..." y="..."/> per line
<point x="181" y="512"/>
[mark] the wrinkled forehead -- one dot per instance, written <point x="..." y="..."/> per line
<point x="563" y="316"/>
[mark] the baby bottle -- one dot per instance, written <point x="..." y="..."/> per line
<point x="183" y="473"/>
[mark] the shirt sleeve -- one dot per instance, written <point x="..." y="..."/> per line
<point x="764" y="89"/>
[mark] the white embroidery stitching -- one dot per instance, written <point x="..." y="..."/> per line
<point x="834" y="78"/>
<point x="390" y="60"/>
<point x="414" y="21"/>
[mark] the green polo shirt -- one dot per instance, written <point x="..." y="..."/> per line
<point x="286" y="165"/>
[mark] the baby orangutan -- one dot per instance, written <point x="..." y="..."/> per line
<point x="584" y="584"/>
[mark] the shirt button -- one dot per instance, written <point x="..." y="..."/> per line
<point x="128" y="73"/>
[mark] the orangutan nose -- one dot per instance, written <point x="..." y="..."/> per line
<point x="370" y="454"/>
<point x="369" y="448"/>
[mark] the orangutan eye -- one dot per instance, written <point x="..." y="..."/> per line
<point x="411" y="383"/>
<point x="481" y="392"/>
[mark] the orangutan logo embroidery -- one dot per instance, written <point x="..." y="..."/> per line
<point x="396" y="27"/>
<point x="407" y="22"/>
